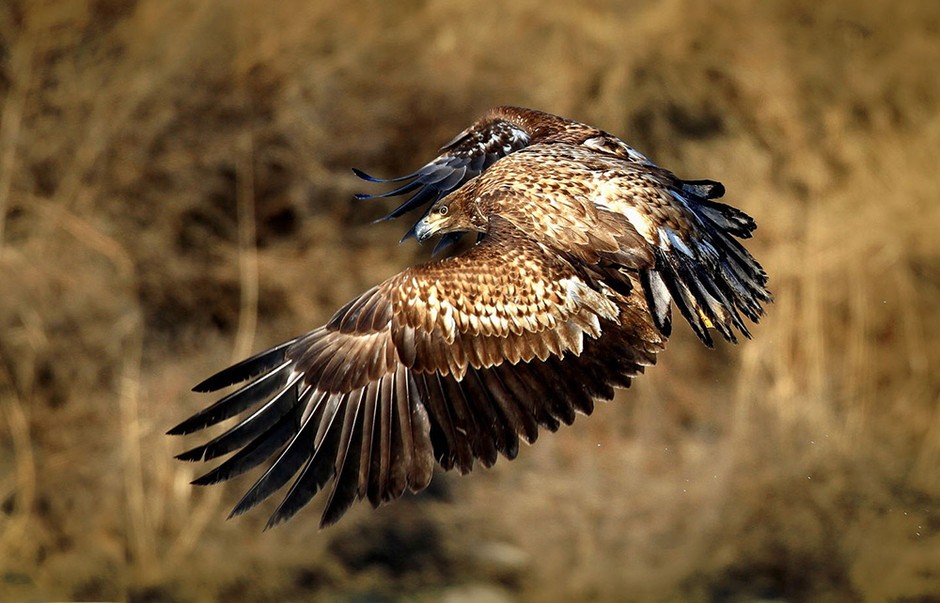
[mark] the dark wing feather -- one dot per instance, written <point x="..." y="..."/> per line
<point x="257" y="451"/>
<point x="699" y="262"/>
<point x="465" y="157"/>
<point x="348" y="459"/>
<point x="289" y="461"/>
<point x="319" y="467"/>
<point x="429" y="366"/>
<point x="238" y="401"/>
<point x="249" y="428"/>
<point x="262" y="362"/>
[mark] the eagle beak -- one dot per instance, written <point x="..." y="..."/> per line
<point x="423" y="230"/>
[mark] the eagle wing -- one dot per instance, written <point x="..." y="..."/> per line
<point x="607" y="211"/>
<point x="699" y="262"/>
<point x="466" y="156"/>
<point x="449" y="362"/>
<point x="498" y="133"/>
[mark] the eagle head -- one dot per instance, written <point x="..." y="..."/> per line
<point x="453" y="213"/>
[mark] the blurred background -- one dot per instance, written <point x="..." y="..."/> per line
<point x="176" y="193"/>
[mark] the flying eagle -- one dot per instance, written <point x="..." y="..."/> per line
<point x="583" y="245"/>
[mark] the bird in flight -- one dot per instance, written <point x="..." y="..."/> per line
<point x="583" y="245"/>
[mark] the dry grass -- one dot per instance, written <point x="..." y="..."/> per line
<point x="175" y="193"/>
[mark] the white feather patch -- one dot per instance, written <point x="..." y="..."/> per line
<point x="638" y="219"/>
<point x="584" y="296"/>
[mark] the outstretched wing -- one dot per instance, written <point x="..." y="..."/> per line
<point x="449" y="362"/>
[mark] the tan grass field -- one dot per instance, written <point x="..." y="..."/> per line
<point x="176" y="193"/>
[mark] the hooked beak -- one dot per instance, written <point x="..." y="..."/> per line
<point x="423" y="230"/>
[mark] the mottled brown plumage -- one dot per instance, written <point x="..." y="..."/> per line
<point x="498" y="133"/>
<point x="582" y="245"/>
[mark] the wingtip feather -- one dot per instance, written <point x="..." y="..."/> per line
<point x="194" y="455"/>
<point x="364" y="176"/>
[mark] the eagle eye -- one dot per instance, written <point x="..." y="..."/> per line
<point x="442" y="210"/>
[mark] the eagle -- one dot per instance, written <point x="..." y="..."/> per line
<point x="582" y="246"/>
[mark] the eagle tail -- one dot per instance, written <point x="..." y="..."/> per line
<point x="711" y="277"/>
<point x="704" y="189"/>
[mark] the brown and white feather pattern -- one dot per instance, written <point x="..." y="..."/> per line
<point x="681" y="241"/>
<point x="449" y="361"/>
<point x="564" y="297"/>
<point x="498" y="133"/>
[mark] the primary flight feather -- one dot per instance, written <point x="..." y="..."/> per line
<point x="583" y="245"/>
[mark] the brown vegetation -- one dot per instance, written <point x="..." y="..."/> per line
<point x="175" y="192"/>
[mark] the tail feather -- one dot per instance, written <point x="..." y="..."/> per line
<point x="712" y="278"/>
